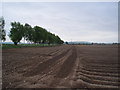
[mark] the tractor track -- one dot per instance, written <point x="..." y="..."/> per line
<point x="42" y="67"/>
<point x="66" y="69"/>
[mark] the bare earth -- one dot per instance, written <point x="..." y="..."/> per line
<point x="66" y="66"/>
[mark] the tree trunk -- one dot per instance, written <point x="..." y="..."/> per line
<point x="15" y="43"/>
<point x="24" y="40"/>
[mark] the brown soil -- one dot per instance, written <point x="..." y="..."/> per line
<point x="66" y="66"/>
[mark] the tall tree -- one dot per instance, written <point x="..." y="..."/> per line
<point x="59" y="41"/>
<point x="51" y="38"/>
<point x="39" y="34"/>
<point x="44" y="36"/>
<point x="28" y="32"/>
<point x="2" y="30"/>
<point x="16" y="32"/>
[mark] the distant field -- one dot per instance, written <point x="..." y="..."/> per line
<point x="65" y="66"/>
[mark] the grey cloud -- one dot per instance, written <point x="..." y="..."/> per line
<point x="76" y="21"/>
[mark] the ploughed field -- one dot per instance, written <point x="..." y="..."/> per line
<point x="65" y="66"/>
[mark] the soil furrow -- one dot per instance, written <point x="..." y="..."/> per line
<point x="67" y="66"/>
<point x="102" y="78"/>
<point x="99" y="73"/>
<point x="100" y="82"/>
<point x="65" y="70"/>
<point x="100" y="70"/>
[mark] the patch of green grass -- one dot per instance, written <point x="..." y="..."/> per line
<point x="6" y="46"/>
<point x="10" y="46"/>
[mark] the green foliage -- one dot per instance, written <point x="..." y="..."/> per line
<point x="2" y="31"/>
<point x="28" y="32"/>
<point x="36" y="34"/>
<point x="16" y="32"/>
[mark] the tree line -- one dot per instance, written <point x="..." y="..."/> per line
<point x="37" y="34"/>
<point x="2" y="31"/>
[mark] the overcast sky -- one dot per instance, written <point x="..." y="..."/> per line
<point x="80" y="21"/>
